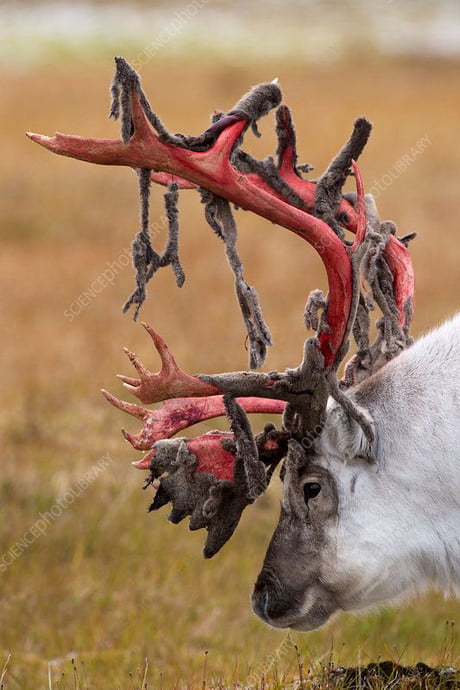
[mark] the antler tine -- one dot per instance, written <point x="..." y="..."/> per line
<point x="135" y="361"/>
<point x="169" y="382"/>
<point x="181" y="413"/>
<point x="395" y="252"/>
<point x="145" y="462"/>
<point x="360" y="209"/>
<point x="131" y="408"/>
<point x="289" y="171"/>
<point x="166" y="155"/>
<point x="168" y="363"/>
<point x="287" y="157"/>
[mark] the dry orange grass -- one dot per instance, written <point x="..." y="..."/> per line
<point x="107" y="583"/>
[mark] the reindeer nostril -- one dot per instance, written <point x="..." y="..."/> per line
<point x="260" y="602"/>
<point x="265" y="605"/>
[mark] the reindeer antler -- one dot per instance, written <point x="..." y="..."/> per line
<point x="209" y="162"/>
<point x="212" y="478"/>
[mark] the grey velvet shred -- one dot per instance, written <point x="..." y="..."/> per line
<point x="329" y="187"/>
<point x="285" y="132"/>
<point x="126" y="80"/>
<point x="219" y="216"/>
<point x="246" y="449"/>
<point x="253" y="105"/>
<point x="146" y="260"/>
<point x="171" y="253"/>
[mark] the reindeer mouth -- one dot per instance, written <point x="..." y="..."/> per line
<point x="316" y="618"/>
<point x="280" y="607"/>
<point x="314" y="612"/>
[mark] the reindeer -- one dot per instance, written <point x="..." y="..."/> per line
<point x="370" y="463"/>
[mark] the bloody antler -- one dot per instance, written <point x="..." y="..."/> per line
<point x="193" y="401"/>
<point x="213" y="477"/>
<point x="208" y="467"/>
<point x="169" y="382"/>
<point x="212" y="169"/>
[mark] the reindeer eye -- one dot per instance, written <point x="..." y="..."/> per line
<point x="311" y="490"/>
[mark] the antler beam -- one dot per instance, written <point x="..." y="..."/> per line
<point x="212" y="169"/>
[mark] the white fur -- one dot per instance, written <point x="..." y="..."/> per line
<point x="399" y="528"/>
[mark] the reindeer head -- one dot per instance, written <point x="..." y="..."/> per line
<point x="212" y="478"/>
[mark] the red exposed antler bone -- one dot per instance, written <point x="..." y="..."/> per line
<point x="169" y="382"/>
<point x="209" y="452"/>
<point x="210" y="455"/>
<point x="179" y="414"/>
<point x="395" y="252"/>
<point x="213" y="170"/>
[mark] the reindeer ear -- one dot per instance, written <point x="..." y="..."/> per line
<point x="344" y="437"/>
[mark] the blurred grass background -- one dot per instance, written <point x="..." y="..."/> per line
<point x="109" y="585"/>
